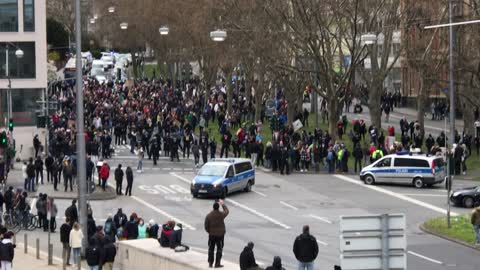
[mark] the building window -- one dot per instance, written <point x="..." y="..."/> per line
<point x="23" y="68"/>
<point x="25" y="105"/>
<point x="29" y="15"/>
<point x="8" y="15"/>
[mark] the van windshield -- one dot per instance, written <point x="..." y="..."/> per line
<point x="212" y="170"/>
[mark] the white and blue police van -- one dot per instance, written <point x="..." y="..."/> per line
<point x="416" y="170"/>
<point x="219" y="177"/>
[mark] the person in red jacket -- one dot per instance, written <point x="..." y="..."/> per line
<point x="104" y="174"/>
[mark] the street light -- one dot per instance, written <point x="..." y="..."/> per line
<point x="111" y="9"/>
<point x="19" y="53"/>
<point x="163" y="30"/>
<point x="218" y="35"/>
<point x="124" y="26"/>
<point x="92" y="21"/>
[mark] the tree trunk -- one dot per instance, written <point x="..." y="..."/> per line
<point x="229" y="93"/>
<point x="468" y="115"/>
<point x="333" y="116"/>
<point x="258" y="107"/>
<point x="374" y="102"/>
<point x="421" y="104"/>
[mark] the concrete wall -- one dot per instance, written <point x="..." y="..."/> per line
<point x="147" y="254"/>
<point x="24" y="136"/>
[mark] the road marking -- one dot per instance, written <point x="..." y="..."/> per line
<point x="424" y="257"/>
<point x="259" y="193"/>
<point x="396" y="195"/>
<point x="255" y="212"/>
<point x="161" y="211"/>
<point x="322" y="243"/>
<point x="423" y="195"/>
<point x="320" y="218"/>
<point x="181" y="178"/>
<point x="288" y="205"/>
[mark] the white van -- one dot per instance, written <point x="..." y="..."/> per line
<point x="417" y="170"/>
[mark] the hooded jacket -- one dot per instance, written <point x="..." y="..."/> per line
<point x="247" y="259"/>
<point x="6" y="250"/>
<point x="305" y="248"/>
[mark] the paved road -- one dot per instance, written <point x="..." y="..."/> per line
<point x="274" y="213"/>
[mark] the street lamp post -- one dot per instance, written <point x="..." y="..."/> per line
<point x="19" y="54"/>
<point x="81" y="161"/>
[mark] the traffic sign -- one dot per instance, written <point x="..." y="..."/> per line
<point x="375" y="242"/>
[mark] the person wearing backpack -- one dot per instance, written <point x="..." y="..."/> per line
<point x="93" y="256"/>
<point x="330" y="160"/>
<point x="109" y="229"/>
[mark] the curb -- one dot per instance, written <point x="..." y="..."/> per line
<point x="97" y="195"/>
<point x="460" y="242"/>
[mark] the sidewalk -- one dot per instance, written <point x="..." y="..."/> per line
<point x="23" y="261"/>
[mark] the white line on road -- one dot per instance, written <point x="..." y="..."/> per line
<point x="424" y="257"/>
<point x="181" y="178"/>
<point x="396" y="195"/>
<point x="423" y="195"/>
<point x="255" y="212"/>
<point x="259" y="193"/>
<point x="320" y="218"/>
<point x="322" y="243"/>
<point x="288" y="205"/>
<point x="161" y="211"/>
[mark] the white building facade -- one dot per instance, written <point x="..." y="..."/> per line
<point x="23" y="26"/>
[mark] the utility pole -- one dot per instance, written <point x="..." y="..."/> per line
<point x="452" y="105"/>
<point x="81" y="170"/>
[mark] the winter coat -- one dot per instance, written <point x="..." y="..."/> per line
<point x="65" y="233"/>
<point x="129" y="175"/>
<point x="142" y="231"/>
<point x="247" y="259"/>
<point x="6" y="250"/>
<point x="76" y="238"/>
<point x="118" y="175"/>
<point x="104" y="171"/>
<point x="153" y="231"/>
<point x="165" y="236"/>
<point x="132" y="230"/>
<point x="305" y="248"/>
<point x="93" y="255"/>
<point x="214" y="222"/>
<point x="110" y="251"/>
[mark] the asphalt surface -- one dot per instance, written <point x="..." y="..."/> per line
<point x="273" y="214"/>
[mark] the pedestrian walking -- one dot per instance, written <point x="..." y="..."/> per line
<point x="39" y="170"/>
<point x="305" y="249"/>
<point x="93" y="256"/>
<point x="140" y="157"/>
<point x="109" y="252"/>
<point x="30" y="170"/>
<point x="67" y="174"/>
<point x="52" y="212"/>
<point x="104" y="174"/>
<point x="196" y="153"/>
<point x="119" y="179"/>
<point x="6" y="251"/>
<point x="129" y="175"/>
<point x="247" y="258"/>
<point x="475" y="220"/>
<point x="49" y="168"/>
<point x="65" y="239"/>
<point x="75" y="242"/>
<point x="215" y="227"/>
<point x="71" y="212"/>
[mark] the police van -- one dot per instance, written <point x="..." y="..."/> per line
<point x="219" y="177"/>
<point x="417" y="170"/>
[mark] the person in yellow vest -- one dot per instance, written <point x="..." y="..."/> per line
<point x="377" y="154"/>
<point x="339" y="159"/>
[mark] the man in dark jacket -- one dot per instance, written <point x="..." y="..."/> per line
<point x="7" y="250"/>
<point x="305" y="249"/>
<point x="120" y="219"/>
<point x="31" y="176"/>
<point x="215" y="227"/>
<point x="93" y="256"/>
<point x="49" y="166"/>
<point x="247" y="259"/>
<point x="119" y="179"/>
<point x="90" y="166"/>
<point x="71" y="212"/>
<point x="132" y="228"/>
<point x="65" y="239"/>
<point x="129" y="175"/>
<point x="39" y="170"/>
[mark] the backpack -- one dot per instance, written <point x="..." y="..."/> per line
<point x="108" y="228"/>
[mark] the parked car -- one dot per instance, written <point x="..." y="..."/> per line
<point x="466" y="197"/>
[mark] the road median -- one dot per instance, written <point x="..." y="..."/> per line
<point x="461" y="231"/>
